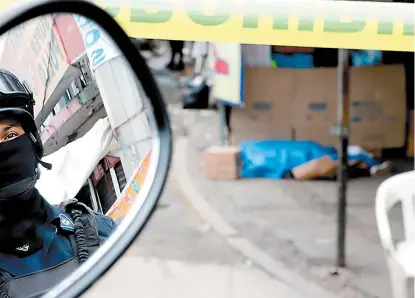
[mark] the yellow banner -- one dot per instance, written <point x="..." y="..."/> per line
<point x="308" y="23"/>
<point x="334" y="24"/>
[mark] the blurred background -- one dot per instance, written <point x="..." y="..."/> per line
<point x="250" y="206"/>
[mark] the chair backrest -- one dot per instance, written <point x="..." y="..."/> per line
<point x="398" y="188"/>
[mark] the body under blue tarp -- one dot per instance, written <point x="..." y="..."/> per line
<point x="275" y="159"/>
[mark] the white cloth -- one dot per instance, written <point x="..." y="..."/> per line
<point x="74" y="163"/>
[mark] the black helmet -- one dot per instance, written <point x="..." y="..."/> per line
<point x="16" y="102"/>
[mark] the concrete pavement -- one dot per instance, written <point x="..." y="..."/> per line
<point x="179" y="256"/>
<point x="293" y="223"/>
<point x="235" y="238"/>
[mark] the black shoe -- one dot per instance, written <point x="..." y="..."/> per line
<point x="171" y="66"/>
<point x="180" y="66"/>
<point x="145" y="46"/>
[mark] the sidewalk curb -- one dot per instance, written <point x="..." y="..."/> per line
<point x="230" y="234"/>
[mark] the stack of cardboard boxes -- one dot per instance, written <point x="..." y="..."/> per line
<point x="300" y="104"/>
<point x="411" y="139"/>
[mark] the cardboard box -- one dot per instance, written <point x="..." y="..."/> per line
<point x="377" y="106"/>
<point x="318" y="132"/>
<point x="244" y="128"/>
<point x="222" y="163"/>
<point x="323" y="167"/>
<point x="302" y="104"/>
<point x="268" y="93"/>
<point x="315" y="105"/>
<point x="315" y="95"/>
<point x="267" y="112"/>
<point x="411" y="139"/>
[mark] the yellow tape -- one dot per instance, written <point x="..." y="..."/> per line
<point x="310" y="23"/>
<point x="334" y="24"/>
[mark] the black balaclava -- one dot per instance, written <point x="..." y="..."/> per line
<point x="21" y="206"/>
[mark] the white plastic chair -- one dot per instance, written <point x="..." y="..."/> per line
<point x="400" y="257"/>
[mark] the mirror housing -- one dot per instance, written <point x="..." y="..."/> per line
<point x="80" y="280"/>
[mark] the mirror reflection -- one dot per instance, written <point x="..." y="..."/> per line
<point x="76" y="136"/>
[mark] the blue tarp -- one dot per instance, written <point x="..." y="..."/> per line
<point x="275" y="159"/>
<point x="366" y="57"/>
<point x="297" y="60"/>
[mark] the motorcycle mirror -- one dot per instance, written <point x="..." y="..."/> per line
<point x="100" y="121"/>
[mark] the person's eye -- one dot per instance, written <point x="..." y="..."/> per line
<point x="10" y="136"/>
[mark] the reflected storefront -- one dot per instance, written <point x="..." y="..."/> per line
<point x="71" y="104"/>
<point x="108" y="180"/>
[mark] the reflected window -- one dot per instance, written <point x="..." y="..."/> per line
<point x="62" y="103"/>
<point x="48" y="119"/>
<point x="104" y="184"/>
<point x="74" y="88"/>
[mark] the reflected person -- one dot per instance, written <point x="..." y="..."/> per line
<point x="40" y="244"/>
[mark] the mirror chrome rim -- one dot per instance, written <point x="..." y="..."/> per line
<point x="99" y="263"/>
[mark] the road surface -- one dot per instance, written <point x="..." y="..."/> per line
<point x="178" y="256"/>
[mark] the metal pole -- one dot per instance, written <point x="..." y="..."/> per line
<point x="222" y="126"/>
<point x="115" y="182"/>
<point x="343" y="126"/>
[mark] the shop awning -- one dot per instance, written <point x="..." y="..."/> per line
<point x="73" y="164"/>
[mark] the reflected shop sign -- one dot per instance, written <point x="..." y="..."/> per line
<point x="131" y="192"/>
<point x="71" y="37"/>
<point x="33" y="51"/>
<point x="99" y="46"/>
